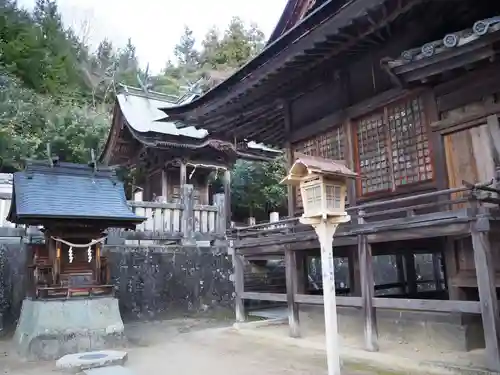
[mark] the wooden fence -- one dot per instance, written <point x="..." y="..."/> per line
<point x="184" y="223"/>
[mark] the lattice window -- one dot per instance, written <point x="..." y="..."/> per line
<point x="393" y="148"/>
<point x="329" y="145"/>
<point x="411" y="160"/>
<point x="372" y="149"/>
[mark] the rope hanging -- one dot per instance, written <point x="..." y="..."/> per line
<point x="77" y="245"/>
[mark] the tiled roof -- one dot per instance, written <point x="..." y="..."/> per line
<point x="69" y="191"/>
<point x="142" y="113"/>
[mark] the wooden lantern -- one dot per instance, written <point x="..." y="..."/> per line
<point x="323" y="185"/>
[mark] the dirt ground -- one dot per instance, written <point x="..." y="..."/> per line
<point x="194" y="347"/>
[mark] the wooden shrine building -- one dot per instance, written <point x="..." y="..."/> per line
<point x="165" y="154"/>
<point x="74" y="204"/>
<point x="414" y="111"/>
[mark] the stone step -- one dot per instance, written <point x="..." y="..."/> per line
<point x="83" y="361"/>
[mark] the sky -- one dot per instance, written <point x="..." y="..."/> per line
<point x="155" y="26"/>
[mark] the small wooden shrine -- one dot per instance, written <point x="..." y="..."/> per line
<point x="74" y="204"/>
<point x="165" y="154"/>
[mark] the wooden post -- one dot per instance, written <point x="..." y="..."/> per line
<point x="227" y="195"/>
<point x="287" y="115"/>
<point x="302" y="271"/>
<point x="164" y="185"/>
<point x="411" y="273"/>
<point x="220" y="220"/>
<point x="354" y="273"/>
<point x="451" y="269"/>
<point x="367" y="290"/>
<point x="239" y="282"/>
<point x="485" y="272"/>
<point x="183" y="174"/>
<point x="291" y="290"/>
<point x="188" y="215"/>
<point x="325" y="231"/>
<point x="400" y="269"/>
<point x="436" y="270"/>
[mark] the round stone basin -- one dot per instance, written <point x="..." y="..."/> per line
<point x="92" y="356"/>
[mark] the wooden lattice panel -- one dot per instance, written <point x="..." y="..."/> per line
<point x="373" y="159"/>
<point x="393" y="147"/>
<point x="329" y="145"/>
<point x="411" y="160"/>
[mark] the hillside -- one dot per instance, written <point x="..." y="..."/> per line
<point x="56" y="89"/>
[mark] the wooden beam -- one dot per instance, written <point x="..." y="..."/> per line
<point x="468" y="307"/>
<point x="310" y="299"/>
<point x="262" y="296"/>
<point x="291" y="291"/>
<point x="485" y="271"/>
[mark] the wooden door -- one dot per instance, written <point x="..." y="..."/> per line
<point x="469" y="156"/>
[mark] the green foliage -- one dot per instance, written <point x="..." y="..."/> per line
<point x="53" y="89"/>
<point x="28" y="121"/>
<point x="256" y="188"/>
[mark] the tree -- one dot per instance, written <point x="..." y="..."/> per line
<point x="256" y="188"/>
<point x="28" y="121"/>
<point x="185" y="52"/>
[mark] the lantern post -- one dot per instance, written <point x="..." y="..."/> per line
<point x="323" y="186"/>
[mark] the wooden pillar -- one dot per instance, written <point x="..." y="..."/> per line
<point x="239" y="282"/>
<point x="164" y="185"/>
<point x="400" y="269"/>
<point x="289" y="156"/>
<point x="188" y="215"/>
<point x="451" y="269"/>
<point x="147" y="196"/>
<point x="291" y="290"/>
<point x="367" y="290"/>
<point x="302" y="271"/>
<point x="436" y="270"/>
<point x="354" y="273"/>
<point x="227" y="196"/>
<point x="411" y="273"/>
<point x="183" y="174"/>
<point x="485" y="272"/>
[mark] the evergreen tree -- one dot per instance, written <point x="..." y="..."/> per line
<point x="185" y="52"/>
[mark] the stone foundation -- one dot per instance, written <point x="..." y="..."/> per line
<point x="51" y="329"/>
<point x="444" y="331"/>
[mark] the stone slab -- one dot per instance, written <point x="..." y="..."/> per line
<point x="51" y="329"/>
<point x="89" y="360"/>
<point x="109" y="370"/>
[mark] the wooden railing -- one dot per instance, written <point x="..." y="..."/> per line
<point x="183" y="223"/>
<point x="410" y="212"/>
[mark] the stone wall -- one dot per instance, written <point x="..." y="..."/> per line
<point x="12" y="278"/>
<point x="159" y="281"/>
<point x="151" y="281"/>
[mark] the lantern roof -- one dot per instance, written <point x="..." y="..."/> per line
<point x="305" y="165"/>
